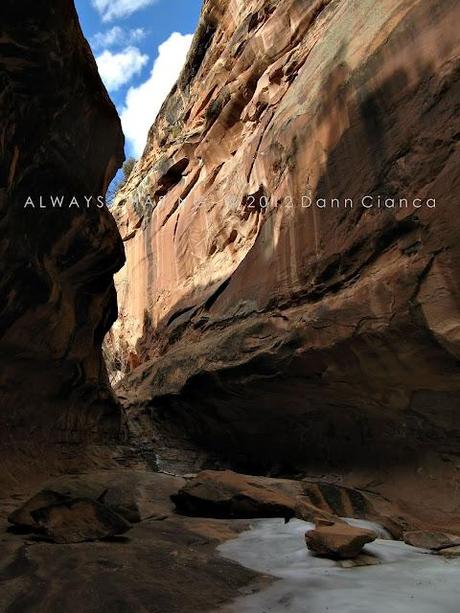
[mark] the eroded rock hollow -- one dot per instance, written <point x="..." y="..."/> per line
<point x="274" y="332"/>
<point x="61" y="138"/>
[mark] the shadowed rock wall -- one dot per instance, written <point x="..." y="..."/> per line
<point x="285" y="333"/>
<point x="60" y="136"/>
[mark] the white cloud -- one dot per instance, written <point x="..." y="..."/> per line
<point x="117" y="36"/>
<point x="115" y="9"/>
<point x="143" y="102"/>
<point x="116" y="69"/>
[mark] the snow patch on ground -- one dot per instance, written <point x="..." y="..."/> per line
<point x="407" y="580"/>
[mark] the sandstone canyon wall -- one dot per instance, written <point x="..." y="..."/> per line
<point x="287" y="334"/>
<point x="60" y="136"/>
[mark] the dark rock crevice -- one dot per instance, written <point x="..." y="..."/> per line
<point x="61" y="139"/>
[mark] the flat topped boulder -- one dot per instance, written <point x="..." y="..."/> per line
<point x="450" y="552"/>
<point x="97" y="505"/>
<point x="135" y="495"/>
<point x="338" y="540"/>
<point x="23" y="518"/>
<point x="226" y="494"/>
<point x="64" y="519"/>
<point x="79" y="520"/>
<point x="431" y="540"/>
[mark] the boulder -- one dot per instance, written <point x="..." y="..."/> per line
<point x="450" y="552"/>
<point x="229" y="494"/>
<point x="363" y="559"/>
<point x="23" y="517"/>
<point x="135" y="495"/>
<point x="79" y="520"/>
<point x="435" y="541"/>
<point x="339" y="541"/>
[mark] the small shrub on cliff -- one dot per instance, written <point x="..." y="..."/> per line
<point x="118" y="182"/>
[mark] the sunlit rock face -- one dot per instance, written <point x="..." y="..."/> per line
<point x="60" y="137"/>
<point x="275" y="332"/>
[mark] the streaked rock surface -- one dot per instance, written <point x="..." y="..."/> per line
<point x="292" y="335"/>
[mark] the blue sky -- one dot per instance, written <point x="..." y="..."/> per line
<point x="140" y="47"/>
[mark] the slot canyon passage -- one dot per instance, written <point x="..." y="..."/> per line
<point x="277" y="356"/>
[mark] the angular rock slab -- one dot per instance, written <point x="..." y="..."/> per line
<point x="227" y="494"/>
<point x="134" y="495"/>
<point x="431" y="540"/>
<point x="338" y="541"/>
<point x="79" y="520"/>
<point x="450" y="552"/>
<point x="23" y="517"/>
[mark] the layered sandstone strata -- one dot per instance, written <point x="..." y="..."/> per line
<point x="60" y="137"/>
<point x="267" y="326"/>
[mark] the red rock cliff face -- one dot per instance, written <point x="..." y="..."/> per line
<point x="287" y="333"/>
<point x="60" y="135"/>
